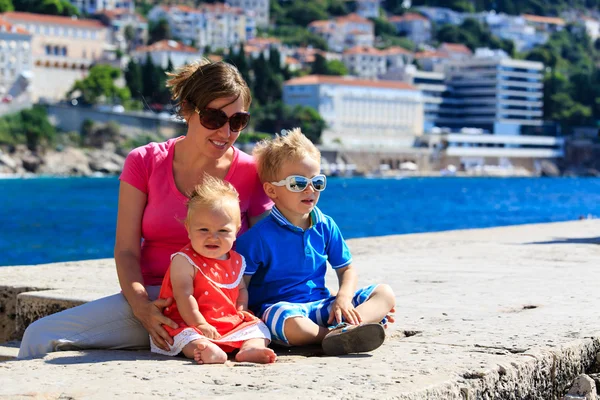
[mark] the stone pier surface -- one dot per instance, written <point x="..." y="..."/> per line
<point x="500" y="313"/>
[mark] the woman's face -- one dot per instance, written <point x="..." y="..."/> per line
<point x="214" y="143"/>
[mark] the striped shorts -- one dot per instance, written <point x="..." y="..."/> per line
<point x="317" y="311"/>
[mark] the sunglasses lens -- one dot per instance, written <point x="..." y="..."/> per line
<point x="239" y="121"/>
<point x="318" y="183"/>
<point x="297" y="183"/>
<point x="213" y="119"/>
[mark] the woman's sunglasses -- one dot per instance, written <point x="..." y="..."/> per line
<point x="213" y="118"/>
<point x="299" y="183"/>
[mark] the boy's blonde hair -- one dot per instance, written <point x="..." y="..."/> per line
<point x="215" y="194"/>
<point x="270" y="154"/>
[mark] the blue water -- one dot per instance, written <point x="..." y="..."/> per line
<point x="61" y="219"/>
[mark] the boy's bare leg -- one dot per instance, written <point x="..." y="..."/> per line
<point x="256" y="351"/>
<point x="204" y="351"/>
<point x="301" y="331"/>
<point x="378" y="305"/>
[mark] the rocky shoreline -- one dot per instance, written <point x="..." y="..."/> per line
<point x="19" y="161"/>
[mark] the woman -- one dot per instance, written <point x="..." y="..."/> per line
<point x="214" y="99"/>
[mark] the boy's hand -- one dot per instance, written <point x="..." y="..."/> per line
<point x="209" y="331"/>
<point x="342" y="307"/>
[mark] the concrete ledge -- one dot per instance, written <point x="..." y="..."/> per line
<point x="503" y="313"/>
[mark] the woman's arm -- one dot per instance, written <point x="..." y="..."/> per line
<point x="127" y="258"/>
<point x="182" y="280"/>
<point x="253" y="220"/>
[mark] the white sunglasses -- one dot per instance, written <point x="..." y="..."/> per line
<point x="299" y="183"/>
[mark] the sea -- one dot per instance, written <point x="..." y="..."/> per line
<point x="44" y="220"/>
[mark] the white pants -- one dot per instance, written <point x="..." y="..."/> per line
<point x="106" y="323"/>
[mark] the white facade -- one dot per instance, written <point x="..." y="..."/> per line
<point x="368" y="8"/>
<point x="258" y="9"/>
<point x="119" y="20"/>
<point x="63" y="50"/>
<point x="345" y="32"/>
<point x="515" y="28"/>
<point x="215" y="25"/>
<point x="94" y="6"/>
<point x="369" y="62"/>
<point x="15" y="58"/>
<point x="415" y="26"/>
<point x="592" y="27"/>
<point x="493" y="92"/>
<point x="165" y="50"/>
<point x="360" y="113"/>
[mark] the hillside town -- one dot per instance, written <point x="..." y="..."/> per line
<point x="389" y="95"/>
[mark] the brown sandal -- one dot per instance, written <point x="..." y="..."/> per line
<point x="347" y="339"/>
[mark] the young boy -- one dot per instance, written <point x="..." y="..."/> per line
<point x="286" y="259"/>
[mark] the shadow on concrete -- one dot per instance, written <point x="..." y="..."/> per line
<point x="104" y="356"/>
<point x="590" y="240"/>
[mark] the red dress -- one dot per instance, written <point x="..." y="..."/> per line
<point x="216" y="291"/>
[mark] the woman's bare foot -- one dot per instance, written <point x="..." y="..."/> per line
<point x="260" y="355"/>
<point x="206" y="352"/>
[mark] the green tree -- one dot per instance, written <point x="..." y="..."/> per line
<point x="337" y="7"/>
<point x="323" y="67"/>
<point x="99" y="85"/>
<point x="303" y="12"/>
<point x="133" y="79"/>
<point x="274" y="117"/>
<point x="158" y="31"/>
<point x="6" y="5"/>
<point x="36" y="127"/>
<point x="383" y="26"/>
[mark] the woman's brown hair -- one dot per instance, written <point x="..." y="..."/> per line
<point x="195" y="85"/>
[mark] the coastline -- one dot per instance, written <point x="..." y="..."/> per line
<point x="515" y="326"/>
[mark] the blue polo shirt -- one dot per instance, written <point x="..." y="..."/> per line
<point x="288" y="263"/>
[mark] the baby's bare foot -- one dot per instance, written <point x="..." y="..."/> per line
<point x="206" y="352"/>
<point x="260" y="355"/>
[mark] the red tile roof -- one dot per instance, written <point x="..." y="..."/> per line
<point x="408" y="17"/>
<point x="8" y="27"/>
<point x="348" y="81"/>
<point x="52" y="19"/>
<point x="455" y="48"/>
<point x="364" y="50"/>
<point x="112" y="14"/>
<point x="430" y="54"/>
<point x="167" y="45"/>
<point x="544" y="20"/>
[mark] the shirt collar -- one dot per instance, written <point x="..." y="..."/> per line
<point x="316" y="217"/>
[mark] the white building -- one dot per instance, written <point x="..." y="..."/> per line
<point x="592" y="27"/>
<point x="119" y="20"/>
<point x="431" y="84"/>
<point x="94" y="6"/>
<point x="510" y="27"/>
<point x="258" y="9"/>
<point x="163" y="51"/>
<point x="368" y="8"/>
<point x="369" y="62"/>
<point x="344" y="32"/>
<point x="360" y="113"/>
<point x="493" y="92"/>
<point x="63" y="50"/>
<point x="217" y="25"/>
<point x="414" y="26"/>
<point x="15" y="59"/>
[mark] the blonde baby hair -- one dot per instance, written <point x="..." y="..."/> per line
<point x="215" y="194"/>
<point x="196" y="84"/>
<point x="270" y="154"/>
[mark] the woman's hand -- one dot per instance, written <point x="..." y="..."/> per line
<point x="151" y="316"/>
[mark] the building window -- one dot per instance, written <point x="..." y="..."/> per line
<point x="48" y="49"/>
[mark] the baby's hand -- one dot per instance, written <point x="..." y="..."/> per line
<point x="246" y="316"/>
<point x="209" y="331"/>
<point x="342" y="307"/>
